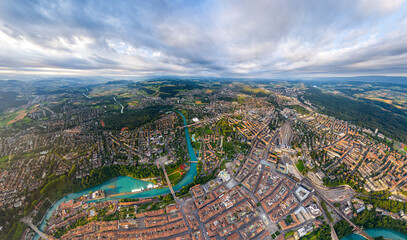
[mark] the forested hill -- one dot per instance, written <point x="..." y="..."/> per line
<point x="360" y="112"/>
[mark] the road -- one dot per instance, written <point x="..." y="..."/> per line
<point x="331" y="167"/>
<point x="322" y="196"/>
<point x="355" y="227"/>
<point x="330" y="144"/>
<point x="117" y="141"/>
<point x="168" y="182"/>
<point x="180" y="202"/>
<point x="361" y="160"/>
<point x="297" y="173"/>
<point x="333" y="233"/>
<point x="27" y="221"/>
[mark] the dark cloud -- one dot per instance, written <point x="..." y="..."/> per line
<point x="217" y="38"/>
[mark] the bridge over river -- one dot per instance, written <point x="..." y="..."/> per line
<point x="356" y="229"/>
<point x="27" y="220"/>
<point x="187" y="179"/>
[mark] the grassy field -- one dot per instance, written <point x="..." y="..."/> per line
<point x="10" y="118"/>
<point x="5" y="119"/>
<point x="299" y="109"/>
<point x="400" y="147"/>
<point x="174" y="176"/>
<point x="252" y="90"/>
<point x="3" y="161"/>
<point x="25" y="120"/>
<point x="240" y="99"/>
<point x="396" y="98"/>
<point x="300" y="165"/>
<point x="246" y="89"/>
<point x="328" y="214"/>
<point x="133" y="103"/>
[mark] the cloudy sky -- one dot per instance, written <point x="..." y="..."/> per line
<point x="227" y="38"/>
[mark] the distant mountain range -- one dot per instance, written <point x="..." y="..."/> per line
<point x="384" y="79"/>
<point x="98" y="80"/>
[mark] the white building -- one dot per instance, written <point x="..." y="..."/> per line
<point x="225" y="176"/>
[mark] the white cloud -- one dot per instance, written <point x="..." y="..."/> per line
<point x="217" y="38"/>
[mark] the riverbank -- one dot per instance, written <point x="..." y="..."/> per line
<point x="121" y="110"/>
<point x="375" y="225"/>
<point x="120" y="187"/>
<point x="378" y="232"/>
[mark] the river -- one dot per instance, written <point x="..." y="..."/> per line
<point x="377" y="232"/>
<point x="125" y="184"/>
<point x="121" y="110"/>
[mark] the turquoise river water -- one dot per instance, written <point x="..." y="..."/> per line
<point x="377" y="232"/>
<point x="125" y="184"/>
